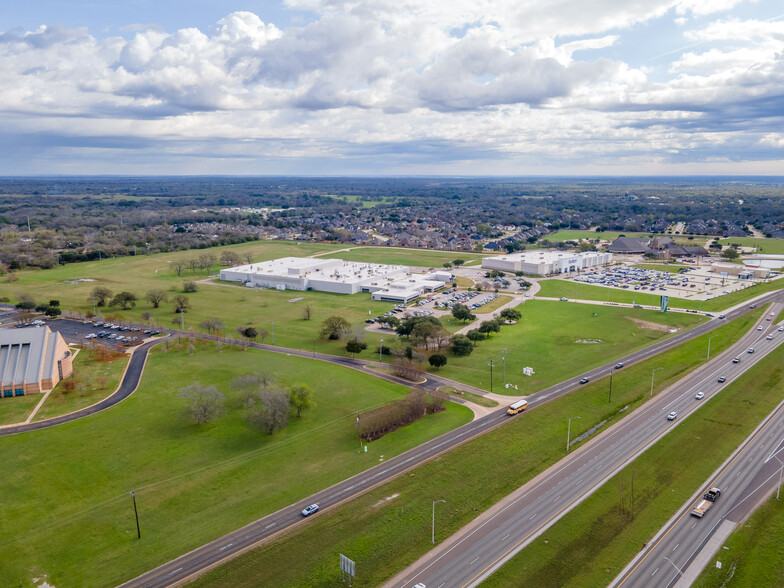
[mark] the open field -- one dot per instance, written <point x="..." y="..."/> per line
<point x="95" y="380"/>
<point x="752" y="555"/>
<point x="16" y="409"/>
<point x="411" y="257"/>
<point x="762" y="245"/>
<point x="559" y="288"/>
<point x="597" y="539"/>
<point x="561" y="340"/>
<point x="569" y="235"/>
<point x="193" y="483"/>
<point x="470" y="478"/>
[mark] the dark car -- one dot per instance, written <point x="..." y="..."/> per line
<point x="618" y="366"/>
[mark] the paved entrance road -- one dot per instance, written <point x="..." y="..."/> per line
<point x="216" y="552"/>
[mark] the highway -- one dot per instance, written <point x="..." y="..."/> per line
<point x="745" y="480"/>
<point x="475" y="552"/>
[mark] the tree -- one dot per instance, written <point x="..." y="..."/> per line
<point x="146" y="317"/>
<point x="461" y="345"/>
<point x="205" y="403"/>
<point x="262" y="333"/>
<point x="178" y="265"/>
<point x="476" y="335"/>
<point x="422" y="331"/>
<point x="156" y="296"/>
<point x="53" y="311"/>
<point x="355" y="346"/>
<point x="437" y="360"/>
<point x="458" y="262"/>
<point x="251" y="333"/>
<point x="248" y="258"/>
<point x="190" y="287"/>
<point x="730" y="254"/>
<point x="193" y="263"/>
<point x="406" y="327"/>
<point x="229" y="258"/>
<point x="335" y="327"/>
<point x="301" y="398"/>
<point x="54" y="303"/>
<point x="448" y="264"/>
<point x="462" y="313"/>
<point x="181" y="303"/>
<point x="211" y="324"/>
<point x="124" y="299"/>
<point x="25" y="302"/>
<point x="511" y="314"/>
<point x="440" y="337"/>
<point x="100" y="295"/>
<point x="488" y="327"/>
<point x="307" y="312"/>
<point x="269" y="410"/>
<point x="206" y="261"/>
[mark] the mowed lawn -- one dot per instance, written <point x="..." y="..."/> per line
<point x="397" y="256"/>
<point x="560" y="340"/>
<point x="762" y="245"/>
<point x="570" y="235"/>
<point x="559" y="288"/>
<point x="65" y="489"/>
<point x="16" y="409"/>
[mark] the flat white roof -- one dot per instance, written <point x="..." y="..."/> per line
<point x="327" y="270"/>
<point x="543" y="256"/>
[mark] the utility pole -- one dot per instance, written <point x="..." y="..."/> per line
<point x="28" y="225"/>
<point x="492" y="365"/>
<point x="709" y="340"/>
<point x="612" y="371"/>
<point x="273" y="333"/>
<point x="136" y="512"/>
<point x="653" y="373"/>
<point x="503" y="357"/>
<point x="433" y="533"/>
<point x="182" y="320"/>
<point x="380" y="347"/>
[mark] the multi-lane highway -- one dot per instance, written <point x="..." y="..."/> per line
<point x="212" y="554"/>
<point x="745" y="479"/>
<point x="493" y="538"/>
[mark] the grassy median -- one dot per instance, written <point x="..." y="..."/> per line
<point x="591" y="545"/>
<point x="387" y="529"/>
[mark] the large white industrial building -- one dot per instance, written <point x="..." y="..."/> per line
<point x="392" y="283"/>
<point x="544" y="263"/>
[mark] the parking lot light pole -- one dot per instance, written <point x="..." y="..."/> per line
<point x="433" y="528"/>
<point x="778" y="492"/>
<point x="492" y="365"/>
<point x="653" y="373"/>
<point x="136" y="512"/>
<point x="503" y="357"/>
<point x="380" y="347"/>
<point x="569" y="433"/>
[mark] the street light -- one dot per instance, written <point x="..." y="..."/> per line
<point x="136" y="512"/>
<point x="492" y="365"/>
<point x="569" y="433"/>
<point x="380" y="347"/>
<point x="433" y="533"/>
<point x="778" y="492"/>
<point x="709" y="340"/>
<point x="652" y="374"/>
<point x="503" y="357"/>
<point x="680" y="571"/>
<point x="612" y="371"/>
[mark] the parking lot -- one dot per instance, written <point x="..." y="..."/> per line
<point x="81" y="333"/>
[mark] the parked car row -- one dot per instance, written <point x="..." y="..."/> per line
<point x="635" y="277"/>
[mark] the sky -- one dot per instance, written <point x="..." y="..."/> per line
<point x="392" y="87"/>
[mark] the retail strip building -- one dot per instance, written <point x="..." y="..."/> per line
<point x="392" y="283"/>
<point x="545" y="263"/>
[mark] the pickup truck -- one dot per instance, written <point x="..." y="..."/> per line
<point x="706" y="502"/>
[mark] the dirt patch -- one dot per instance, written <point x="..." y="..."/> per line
<point x="651" y="326"/>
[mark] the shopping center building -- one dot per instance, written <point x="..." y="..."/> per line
<point x="545" y="263"/>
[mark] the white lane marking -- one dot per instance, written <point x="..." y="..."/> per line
<point x="505" y="537"/>
<point x="474" y="561"/>
<point x="532" y="516"/>
<point x="654" y="572"/>
<point x="226" y="546"/>
<point x="676" y="546"/>
<point x="174" y="572"/>
<point x="272" y="525"/>
<point x="556" y="498"/>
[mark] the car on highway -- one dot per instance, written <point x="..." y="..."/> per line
<point x="420" y="585"/>
<point x="585" y="380"/>
<point x="781" y="328"/>
<point x="564" y="299"/>
<point x="736" y="359"/>
<point x="759" y="328"/>
<point x="618" y="366"/>
<point x="751" y="350"/>
<point x="672" y="416"/>
<point x="721" y="316"/>
<point x="309" y="510"/>
<point x="709" y="315"/>
<point x="721" y="379"/>
<point x="752" y="306"/>
<point x="700" y="395"/>
<point x="769" y="337"/>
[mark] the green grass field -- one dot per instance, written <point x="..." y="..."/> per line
<point x="762" y="245"/>
<point x="387" y="529"/>
<point x="16" y="409"/>
<point x="65" y="489"/>
<point x="569" y="235"/>
<point x="546" y="339"/>
<point x="411" y="257"/>
<point x="752" y="555"/>
<point x="559" y="288"/>
<point x="95" y="381"/>
<point x="597" y="539"/>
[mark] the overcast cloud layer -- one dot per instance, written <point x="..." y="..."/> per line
<point x="394" y="87"/>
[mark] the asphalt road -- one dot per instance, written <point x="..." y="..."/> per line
<point x="745" y="480"/>
<point x="196" y="562"/>
<point x="493" y="538"/>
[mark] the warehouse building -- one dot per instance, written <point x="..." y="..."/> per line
<point x="32" y="360"/>
<point x="393" y="283"/>
<point x="545" y="263"/>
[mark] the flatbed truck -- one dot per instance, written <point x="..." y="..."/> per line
<point x="706" y="502"/>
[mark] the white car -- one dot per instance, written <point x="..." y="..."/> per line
<point x="309" y="510"/>
<point x="769" y="337"/>
<point x="759" y="328"/>
<point x="672" y="416"/>
<point x="699" y="396"/>
<point x="781" y="328"/>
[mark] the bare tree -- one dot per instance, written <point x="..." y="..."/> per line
<point x="181" y="303"/>
<point x="147" y="317"/>
<point x="178" y="265"/>
<point x="205" y="403"/>
<point x="156" y="296"/>
<point x="307" y="312"/>
<point x="269" y="411"/>
<point x="206" y="261"/>
<point x="101" y="295"/>
<point x="250" y="385"/>
<point x="211" y="324"/>
<point x="230" y="258"/>
<point x="248" y="258"/>
<point x="193" y="263"/>
<point x="262" y="334"/>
